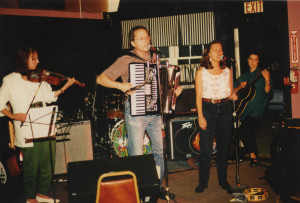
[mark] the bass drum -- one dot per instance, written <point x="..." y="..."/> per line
<point x="119" y="140"/>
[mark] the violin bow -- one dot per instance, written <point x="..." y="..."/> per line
<point x="22" y="123"/>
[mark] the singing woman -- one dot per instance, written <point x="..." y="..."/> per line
<point x="214" y="91"/>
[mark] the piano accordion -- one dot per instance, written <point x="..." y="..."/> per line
<point x="155" y="94"/>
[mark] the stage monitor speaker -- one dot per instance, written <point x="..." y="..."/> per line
<point x="73" y="143"/>
<point x="182" y="133"/>
<point x="83" y="177"/>
<point x="284" y="173"/>
<point x="186" y="102"/>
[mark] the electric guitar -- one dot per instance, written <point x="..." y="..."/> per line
<point x="246" y="94"/>
<point x="194" y="140"/>
<point x="14" y="164"/>
<point x="194" y="143"/>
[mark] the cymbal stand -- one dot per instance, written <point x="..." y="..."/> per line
<point x="94" y="121"/>
<point x="93" y="115"/>
<point x="106" y="140"/>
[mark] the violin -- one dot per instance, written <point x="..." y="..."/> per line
<point x="52" y="78"/>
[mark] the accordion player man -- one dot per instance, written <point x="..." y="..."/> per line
<point x="136" y="125"/>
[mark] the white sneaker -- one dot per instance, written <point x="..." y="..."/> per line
<point x="27" y="201"/>
<point x="50" y="200"/>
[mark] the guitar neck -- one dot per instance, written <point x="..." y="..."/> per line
<point x="258" y="76"/>
<point x="11" y="134"/>
<point x="271" y="67"/>
<point x="11" y="130"/>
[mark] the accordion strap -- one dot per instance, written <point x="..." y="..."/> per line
<point x="135" y="56"/>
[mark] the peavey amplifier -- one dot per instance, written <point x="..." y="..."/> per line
<point x="182" y="137"/>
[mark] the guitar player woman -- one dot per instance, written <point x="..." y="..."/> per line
<point x="255" y="82"/>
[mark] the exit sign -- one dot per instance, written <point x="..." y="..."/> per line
<point x="253" y="7"/>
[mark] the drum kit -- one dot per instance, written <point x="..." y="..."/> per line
<point x="116" y="136"/>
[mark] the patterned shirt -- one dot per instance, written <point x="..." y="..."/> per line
<point x="215" y="86"/>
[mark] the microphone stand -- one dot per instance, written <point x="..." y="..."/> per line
<point x="50" y="148"/>
<point x="166" y="191"/>
<point x="238" y="188"/>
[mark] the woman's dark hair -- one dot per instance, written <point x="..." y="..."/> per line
<point x="205" y="61"/>
<point x="131" y="33"/>
<point x="253" y="53"/>
<point x="22" y="60"/>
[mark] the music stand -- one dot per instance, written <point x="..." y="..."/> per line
<point x="39" y="120"/>
<point x="42" y="120"/>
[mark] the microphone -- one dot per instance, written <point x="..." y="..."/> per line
<point x="227" y="58"/>
<point x="151" y="48"/>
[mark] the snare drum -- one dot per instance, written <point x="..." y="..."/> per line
<point x="119" y="139"/>
<point x="114" y="106"/>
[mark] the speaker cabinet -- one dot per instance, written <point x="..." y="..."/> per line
<point x="73" y="143"/>
<point x="284" y="174"/>
<point x="181" y="133"/>
<point x="186" y="102"/>
<point x="83" y="177"/>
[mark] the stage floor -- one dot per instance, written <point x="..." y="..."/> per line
<point x="183" y="178"/>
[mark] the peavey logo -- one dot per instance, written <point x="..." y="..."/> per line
<point x="187" y="125"/>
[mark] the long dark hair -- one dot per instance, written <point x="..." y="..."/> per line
<point x="205" y="62"/>
<point x="22" y="60"/>
<point x="131" y="33"/>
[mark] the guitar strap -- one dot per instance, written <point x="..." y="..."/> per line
<point x="258" y="72"/>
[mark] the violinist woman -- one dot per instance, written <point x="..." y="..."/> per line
<point x="213" y="83"/>
<point x="19" y="92"/>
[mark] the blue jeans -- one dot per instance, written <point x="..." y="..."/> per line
<point x="136" y="127"/>
<point x="219" y="124"/>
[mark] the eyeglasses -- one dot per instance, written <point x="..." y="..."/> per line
<point x="143" y="39"/>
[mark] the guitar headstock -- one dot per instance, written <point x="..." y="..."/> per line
<point x="273" y="66"/>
